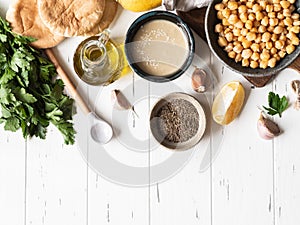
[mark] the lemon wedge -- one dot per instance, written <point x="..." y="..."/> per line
<point x="139" y="5"/>
<point x="228" y="103"/>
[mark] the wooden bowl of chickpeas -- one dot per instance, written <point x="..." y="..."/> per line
<point x="254" y="37"/>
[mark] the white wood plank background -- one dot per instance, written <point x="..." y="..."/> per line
<point x="251" y="181"/>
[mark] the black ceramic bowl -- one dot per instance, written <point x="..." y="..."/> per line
<point x="210" y="22"/>
<point x="155" y="15"/>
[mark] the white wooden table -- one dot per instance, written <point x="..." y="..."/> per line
<point x="251" y="181"/>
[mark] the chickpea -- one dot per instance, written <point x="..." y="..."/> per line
<point x="253" y="64"/>
<point x="229" y="36"/>
<point x="218" y="28"/>
<point x="232" y="54"/>
<point x="232" y="5"/>
<point x="249" y="4"/>
<point x="279" y="44"/>
<point x="290" y="49"/>
<point x="255" y="56"/>
<point x="262" y="45"/>
<point x="265" y="55"/>
<point x="263" y="64"/>
<point x="262" y="29"/>
<point x="263" y="4"/>
<point x="277" y="7"/>
<point x="241" y="38"/>
<point x="219" y="6"/>
<point x="236" y="32"/>
<point x="295" y="16"/>
<point x="238" y="57"/>
<point x="273" y="22"/>
<point x="249" y="24"/>
<point x="272" y="62"/>
<point x="222" y="41"/>
<point x="244" y="31"/>
<point x="292" y="1"/>
<point x="256" y="8"/>
<point x="278" y="30"/>
<point x="256" y="23"/>
<point x="227" y="30"/>
<point x="281" y="54"/>
<point x="295" y="29"/>
<point x="286" y="13"/>
<point x="254" y="30"/>
<point x="238" y="48"/>
<point x="242" y="9"/>
<point x="255" y="47"/>
<point x="251" y="36"/>
<point x="295" y="41"/>
<point x="233" y="19"/>
<point x="269" y="45"/>
<point x="269" y="8"/>
<point x="265" y="21"/>
<point x="274" y="37"/>
<point x="266" y="37"/>
<point x="229" y="47"/>
<point x="225" y="22"/>
<point x="259" y="16"/>
<point x="296" y="23"/>
<point x="245" y="62"/>
<point x="246" y="53"/>
<point x="226" y="13"/>
<point x="272" y="14"/>
<point x="273" y="51"/>
<point x="292" y="8"/>
<point x="220" y="15"/>
<point x="285" y="4"/>
<point x="270" y="29"/>
<point x="239" y="24"/>
<point x="288" y="21"/>
<point x="246" y="43"/>
<point x="244" y="17"/>
<point x="258" y="38"/>
<point x="251" y="16"/>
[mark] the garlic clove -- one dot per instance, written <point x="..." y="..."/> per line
<point x="266" y="128"/>
<point x="120" y="101"/>
<point x="199" y="80"/>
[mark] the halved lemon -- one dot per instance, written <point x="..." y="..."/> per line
<point x="228" y="103"/>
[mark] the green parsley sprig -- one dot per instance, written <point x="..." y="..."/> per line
<point x="30" y="96"/>
<point x="276" y="104"/>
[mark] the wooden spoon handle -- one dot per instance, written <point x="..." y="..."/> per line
<point x="63" y="75"/>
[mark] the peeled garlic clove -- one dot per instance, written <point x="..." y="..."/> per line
<point x="120" y="100"/>
<point x="266" y="128"/>
<point x="199" y="80"/>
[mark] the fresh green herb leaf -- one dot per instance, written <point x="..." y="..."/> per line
<point x="276" y="104"/>
<point x="30" y="97"/>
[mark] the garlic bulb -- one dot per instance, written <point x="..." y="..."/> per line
<point x="266" y="128"/>
<point x="200" y="80"/>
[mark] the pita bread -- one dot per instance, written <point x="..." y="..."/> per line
<point x="24" y="19"/>
<point x="71" y="17"/>
<point x="110" y="11"/>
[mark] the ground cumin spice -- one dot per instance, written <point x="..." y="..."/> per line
<point x="178" y="120"/>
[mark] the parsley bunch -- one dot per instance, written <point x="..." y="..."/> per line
<point x="30" y="96"/>
<point x="276" y="104"/>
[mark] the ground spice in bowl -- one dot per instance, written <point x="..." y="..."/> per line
<point x="177" y="121"/>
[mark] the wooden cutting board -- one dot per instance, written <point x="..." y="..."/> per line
<point x="195" y="19"/>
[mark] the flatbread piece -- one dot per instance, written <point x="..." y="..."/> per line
<point x="24" y="19"/>
<point x="71" y="17"/>
<point x="110" y="11"/>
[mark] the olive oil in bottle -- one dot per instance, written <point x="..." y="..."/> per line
<point x="99" y="61"/>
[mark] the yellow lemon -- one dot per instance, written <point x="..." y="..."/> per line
<point x="228" y="103"/>
<point x="139" y="5"/>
